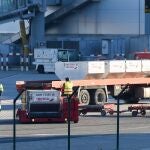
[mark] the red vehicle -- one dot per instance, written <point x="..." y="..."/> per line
<point x="142" y="55"/>
<point x="42" y="103"/>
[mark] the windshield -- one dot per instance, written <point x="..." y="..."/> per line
<point x="66" y="55"/>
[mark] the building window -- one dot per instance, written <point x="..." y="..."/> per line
<point x="71" y="45"/>
<point x="147" y="6"/>
<point x="54" y="44"/>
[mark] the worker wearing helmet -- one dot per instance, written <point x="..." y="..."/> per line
<point x="67" y="87"/>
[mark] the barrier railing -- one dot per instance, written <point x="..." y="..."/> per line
<point x="6" y="61"/>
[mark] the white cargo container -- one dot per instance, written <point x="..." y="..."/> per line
<point x="133" y="66"/>
<point x="116" y="66"/>
<point x="43" y="96"/>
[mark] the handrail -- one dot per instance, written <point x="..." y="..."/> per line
<point x="16" y="36"/>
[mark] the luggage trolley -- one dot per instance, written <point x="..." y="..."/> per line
<point x="139" y="109"/>
<point x="103" y="109"/>
<point x="84" y="109"/>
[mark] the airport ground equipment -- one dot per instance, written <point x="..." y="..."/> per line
<point x="40" y="102"/>
<point x="55" y="87"/>
<point x="100" y="81"/>
<point x="45" y="58"/>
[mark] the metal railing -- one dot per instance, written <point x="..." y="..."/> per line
<point x="66" y="9"/>
<point x="7" y="6"/>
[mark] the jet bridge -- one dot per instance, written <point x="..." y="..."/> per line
<point x="12" y="10"/>
<point x="36" y="9"/>
<point x="25" y="10"/>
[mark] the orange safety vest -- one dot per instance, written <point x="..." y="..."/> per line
<point x="68" y="88"/>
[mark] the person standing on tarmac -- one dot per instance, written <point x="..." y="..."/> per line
<point x="1" y="89"/>
<point x="67" y="87"/>
<point x="67" y="90"/>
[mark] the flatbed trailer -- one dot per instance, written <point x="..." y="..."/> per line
<point x="97" y="91"/>
<point x="112" y="81"/>
<point x="97" y="80"/>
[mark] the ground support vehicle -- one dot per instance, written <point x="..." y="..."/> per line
<point x="110" y="109"/>
<point x="45" y="58"/>
<point x="139" y="109"/>
<point x="99" y="81"/>
<point x="43" y="103"/>
<point x="102" y="109"/>
<point x="142" y="55"/>
<point x="84" y="109"/>
<point x="137" y="89"/>
<point x="135" y="109"/>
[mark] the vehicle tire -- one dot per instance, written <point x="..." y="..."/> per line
<point x="40" y="69"/>
<point x="136" y="100"/>
<point x="143" y="112"/>
<point x="103" y="112"/>
<point x="132" y="100"/>
<point x="84" y="97"/>
<point x="84" y="112"/>
<point x="76" y="121"/>
<point x="134" y="113"/>
<point x="100" y="97"/>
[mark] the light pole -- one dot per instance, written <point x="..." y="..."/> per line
<point x="139" y="17"/>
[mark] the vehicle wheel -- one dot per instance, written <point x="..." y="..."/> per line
<point x="111" y="112"/>
<point x="84" y="112"/>
<point x="134" y="113"/>
<point x="84" y="97"/>
<point x="136" y="100"/>
<point x="103" y="112"/>
<point x="100" y="96"/>
<point x="40" y="69"/>
<point x="143" y="112"/>
<point x="76" y="121"/>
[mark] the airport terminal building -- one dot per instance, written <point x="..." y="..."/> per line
<point x="92" y="27"/>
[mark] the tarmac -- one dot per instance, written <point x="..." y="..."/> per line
<point x="86" y="142"/>
<point x="128" y="141"/>
<point x="136" y="141"/>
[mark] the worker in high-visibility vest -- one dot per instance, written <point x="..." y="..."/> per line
<point x="1" y="89"/>
<point x="67" y="87"/>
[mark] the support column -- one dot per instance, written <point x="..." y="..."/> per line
<point x="37" y="31"/>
